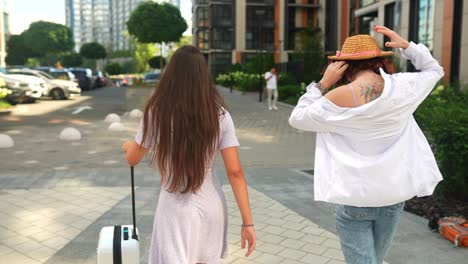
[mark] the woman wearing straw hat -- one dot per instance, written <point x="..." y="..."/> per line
<point x="371" y="155"/>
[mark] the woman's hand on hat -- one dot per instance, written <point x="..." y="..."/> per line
<point x="395" y="40"/>
<point x="333" y="73"/>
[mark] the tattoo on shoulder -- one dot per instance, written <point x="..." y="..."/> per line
<point x="370" y="91"/>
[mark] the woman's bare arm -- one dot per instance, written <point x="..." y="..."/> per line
<point x="239" y="186"/>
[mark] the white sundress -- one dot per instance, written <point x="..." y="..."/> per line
<point x="192" y="228"/>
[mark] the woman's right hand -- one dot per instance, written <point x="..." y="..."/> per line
<point x="248" y="235"/>
<point x="395" y="40"/>
<point x="333" y="73"/>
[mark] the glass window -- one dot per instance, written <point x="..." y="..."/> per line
<point x="222" y="15"/>
<point x="202" y="17"/>
<point x="203" y="39"/>
<point x="222" y="38"/>
<point x="367" y="2"/>
<point x="426" y="23"/>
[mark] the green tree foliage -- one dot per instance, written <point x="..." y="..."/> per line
<point x="18" y="50"/>
<point x="151" y="22"/>
<point x="93" y="50"/>
<point x="143" y="53"/>
<point x="310" y="56"/>
<point x="154" y="62"/>
<point x="47" y="37"/>
<point x="261" y="63"/>
<point x="113" y="68"/>
<point x="72" y="60"/>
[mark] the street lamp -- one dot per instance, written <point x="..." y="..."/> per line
<point x="260" y="13"/>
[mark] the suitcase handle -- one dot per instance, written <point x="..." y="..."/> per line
<point x="134" y="233"/>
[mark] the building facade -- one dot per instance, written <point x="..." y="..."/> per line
<point x="89" y="21"/>
<point x="230" y="31"/>
<point x="236" y="30"/>
<point x="4" y="29"/>
<point x="442" y="25"/>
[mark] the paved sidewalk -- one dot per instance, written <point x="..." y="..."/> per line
<point x="55" y="196"/>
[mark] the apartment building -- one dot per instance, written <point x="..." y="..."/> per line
<point x="230" y="31"/>
<point x="4" y="29"/>
<point x="442" y="25"/>
<point x="89" y="21"/>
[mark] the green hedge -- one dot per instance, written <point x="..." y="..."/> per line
<point x="240" y="80"/>
<point x="443" y="117"/>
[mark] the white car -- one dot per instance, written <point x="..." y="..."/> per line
<point x="33" y="86"/>
<point x="56" y="88"/>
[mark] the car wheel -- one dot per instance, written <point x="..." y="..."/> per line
<point x="57" y="94"/>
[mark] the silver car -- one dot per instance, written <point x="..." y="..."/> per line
<point x="56" y="88"/>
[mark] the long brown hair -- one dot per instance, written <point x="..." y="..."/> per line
<point x="355" y="66"/>
<point x="181" y="121"/>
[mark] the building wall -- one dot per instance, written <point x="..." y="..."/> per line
<point x="5" y="9"/>
<point x="89" y="21"/>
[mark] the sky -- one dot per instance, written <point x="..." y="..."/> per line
<point x="24" y="12"/>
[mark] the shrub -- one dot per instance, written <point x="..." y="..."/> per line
<point x="286" y="79"/>
<point x="443" y="117"/>
<point x="113" y="68"/>
<point x="287" y="91"/>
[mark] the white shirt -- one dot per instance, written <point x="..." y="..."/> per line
<point x="374" y="155"/>
<point x="271" y="83"/>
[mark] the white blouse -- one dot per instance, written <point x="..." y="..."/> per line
<point x="375" y="154"/>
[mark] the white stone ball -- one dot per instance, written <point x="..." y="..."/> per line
<point x="111" y="118"/>
<point x="136" y="114"/>
<point x="6" y="141"/>
<point x="70" y="134"/>
<point x="116" y="126"/>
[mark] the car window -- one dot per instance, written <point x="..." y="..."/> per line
<point x="46" y="75"/>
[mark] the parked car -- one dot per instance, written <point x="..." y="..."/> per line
<point x="101" y="80"/>
<point x="57" y="89"/>
<point x="44" y="69"/>
<point x="151" y="77"/>
<point x="85" y="78"/>
<point x="32" y="86"/>
<point x="63" y="74"/>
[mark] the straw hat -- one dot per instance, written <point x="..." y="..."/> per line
<point x="360" y="47"/>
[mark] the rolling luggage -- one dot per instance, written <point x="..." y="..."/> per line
<point x="119" y="244"/>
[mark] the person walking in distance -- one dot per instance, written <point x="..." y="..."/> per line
<point x="185" y="124"/>
<point x="271" y="78"/>
<point x="371" y="156"/>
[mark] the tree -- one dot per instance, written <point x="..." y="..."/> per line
<point x="154" y="62"/>
<point x="113" y="68"/>
<point x="46" y="37"/>
<point x="151" y="22"/>
<point x="72" y="60"/>
<point x="143" y="53"/>
<point x="310" y="56"/>
<point x="17" y="50"/>
<point x="93" y="50"/>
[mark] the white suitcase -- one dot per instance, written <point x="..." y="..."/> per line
<point x="119" y="244"/>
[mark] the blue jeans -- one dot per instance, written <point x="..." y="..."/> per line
<point x="367" y="232"/>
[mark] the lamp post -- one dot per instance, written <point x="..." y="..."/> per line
<point x="260" y="13"/>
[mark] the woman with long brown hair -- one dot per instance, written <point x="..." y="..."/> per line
<point x="185" y="123"/>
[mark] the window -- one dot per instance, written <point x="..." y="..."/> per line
<point x="202" y="17"/>
<point x="426" y="23"/>
<point x="260" y="28"/>
<point x="367" y="2"/>
<point x="222" y="38"/>
<point x="222" y="15"/>
<point x="203" y="39"/>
